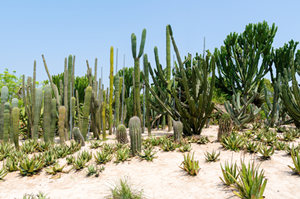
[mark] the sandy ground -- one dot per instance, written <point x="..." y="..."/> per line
<point x="160" y="179"/>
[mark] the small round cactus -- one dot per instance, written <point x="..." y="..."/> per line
<point x="135" y="132"/>
<point x="121" y="134"/>
<point x="178" y="129"/>
<point x="225" y="126"/>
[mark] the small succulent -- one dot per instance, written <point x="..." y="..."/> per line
<point x="266" y="152"/>
<point x="70" y="159"/>
<point x="168" y="145"/>
<point x="230" y="173"/>
<point x="212" y="157"/>
<point x="49" y="158"/>
<point x="280" y="146"/>
<point x="30" y="166"/>
<point x="79" y="163"/>
<point x="147" y="154"/>
<point x="108" y="148"/>
<point x="233" y="142"/>
<point x="56" y="168"/>
<point x="11" y="164"/>
<point x="95" y="144"/>
<point x="185" y="147"/>
<point x="122" y="155"/>
<point x="296" y="161"/>
<point x="102" y="157"/>
<point x="40" y="195"/>
<point x="252" y="147"/>
<point x="3" y="173"/>
<point x="190" y="165"/>
<point x="85" y="155"/>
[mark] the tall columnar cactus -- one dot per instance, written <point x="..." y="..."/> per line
<point x="79" y="121"/>
<point x="86" y="111"/>
<point x="168" y="71"/>
<point x="4" y="97"/>
<point x="6" y="122"/>
<point x="178" y="129"/>
<point x="111" y="82"/>
<point x="137" y="104"/>
<point x="15" y="126"/>
<point x="225" y="126"/>
<point x="103" y="115"/>
<point x="117" y="100"/>
<point x="78" y="136"/>
<point x="135" y="132"/>
<point x="73" y="100"/>
<point x="14" y="102"/>
<point x="53" y="120"/>
<point x="37" y="112"/>
<point x="61" y="123"/>
<point x="66" y="99"/>
<point x="195" y="81"/>
<point x="121" y="134"/>
<point x="147" y="94"/>
<point x="47" y="113"/>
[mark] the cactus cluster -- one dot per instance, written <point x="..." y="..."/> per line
<point x="121" y="134"/>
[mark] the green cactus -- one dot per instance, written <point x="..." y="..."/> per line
<point x="121" y="134"/>
<point x="14" y="102"/>
<point x="61" y="123"/>
<point x="4" y="97"/>
<point x="53" y="120"/>
<point x="79" y="122"/>
<point x="66" y="99"/>
<point x="47" y="113"/>
<point x="86" y="111"/>
<point x="15" y="126"/>
<point x="37" y="112"/>
<point x="117" y="100"/>
<point x="168" y="72"/>
<point x="78" y="136"/>
<point x="135" y="132"/>
<point x="137" y="104"/>
<point x="225" y="126"/>
<point x="73" y="100"/>
<point x="178" y="129"/>
<point x="111" y="82"/>
<point x="147" y="94"/>
<point x="103" y="115"/>
<point x="6" y="122"/>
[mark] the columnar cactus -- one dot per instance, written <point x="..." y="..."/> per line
<point x="15" y="126"/>
<point x="14" y="102"/>
<point x="6" y="122"/>
<point x="4" y="97"/>
<point x="78" y="136"/>
<point x="147" y="94"/>
<point x="168" y="71"/>
<point x="103" y="115"/>
<point x="79" y="121"/>
<point x="117" y="100"/>
<point x="53" y="120"/>
<point x="37" y="112"/>
<point x="135" y="132"/>
<point x="47" y="113"/>
<point x="111" y="82"/>
<point x="66" y="99"/>
<point x="178" y="129"/>
<point x="121" y="134"/>
<point x="86" y="111"/>
<point x="137" y="104"/>
<point x="61" y="123"/>
<point x="225" y="126"/>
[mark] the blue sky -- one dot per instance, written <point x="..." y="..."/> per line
<point x="88" y="28"/>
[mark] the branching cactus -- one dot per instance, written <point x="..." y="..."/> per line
<point x="121" y="134"/>
<point x="78" y="136"/>
<point x="15" y="126"/>
<point x="61" y="123"/>
<point x="47" y="113"/>
<point x="53" y="120"/>
<point x="37" y="112"/>
<point x="225" y="126"/>
<point x="135" y="132"/>
<point x="86" y="111"/>
<point x="4" y="97"/>
<point x="137" y="104"/>
<point x="178" y="129"/>
<point x="6" y="122"/>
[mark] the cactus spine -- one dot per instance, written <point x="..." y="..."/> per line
<point x="137" y="104"/>
<point x="53" y="120"/>
<point x="47" y="113"/>
<point x="37" y="112"/>
<point x="111" y="82"/>
<point x="4" y="97"/>
<point x="6" y="122"/>
<point x="121" y="135"/>
<point x="135" y="132"/>
<point x="61" y="123"/>
<point x="86" y="111"/>
<point x="147" y="94"/>
<point x="178" y="129"/>
<point x="225" y="126"/>
<point x="15" y="126"/>
<point x="78" y="136"/>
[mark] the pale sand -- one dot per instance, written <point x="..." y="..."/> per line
<point x="160" y="179"/>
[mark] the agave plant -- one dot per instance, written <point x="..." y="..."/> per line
<point x="79" y="163"/>
<point x="233" y="142"/>
<point x="252" y="147"/>
<point x="185" y="147"/>
<point x="40" y="195"/>
<point x="280" y="146"/>
<point x="102" y="157"/>
<point x="49" y="158"/>
<point x="122" y="155"/>
<point x="91" y="170"/>
<point x="56" y="168"/>
<point x="3" y="173"/>
<point x="30" y="166"/>
<point x="108" y="148"/>
<point x="212" y="157"/>
<point x="251" y="182"/>
<point x="147" y="154"/>
<point x="95" y="144"/>
<point x="296" y="160"/>
<point x="85" y="155"/>
<point x="266" y="152"/>
<point x="289" y="149"/>
<point x="70" y="159"/>
<point x="230" y="173"/>
<point x="5" y="150"/>
<point x="168" y="145"/>
<point x="11" y="164"/>
<point x="190" y="165"/>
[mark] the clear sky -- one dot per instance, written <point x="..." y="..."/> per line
<point x="88" y="28"/>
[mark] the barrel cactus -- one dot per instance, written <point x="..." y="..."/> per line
<point x="15" y="116"/>
<point x="135" y="132"/>
<point x="61" y="123"/>
<point x="178" y="129"/>
<point x="121" y="134"/>
<point x="78" y="136"/>
<point x="225" y="126"/>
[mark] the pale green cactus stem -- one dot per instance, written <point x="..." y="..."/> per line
<point x="37" y="112"/>
<point x="6" y="122"/>
<point x="53" y="120"/>
<point x="61" y="123"/>
<point x="47" y="113"/>
<point x="135" y="132"/>
<point x="15" y="126"/>
<point x="4" y="98"/>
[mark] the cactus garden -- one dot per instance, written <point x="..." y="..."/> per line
<point x="221" y="123"/>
